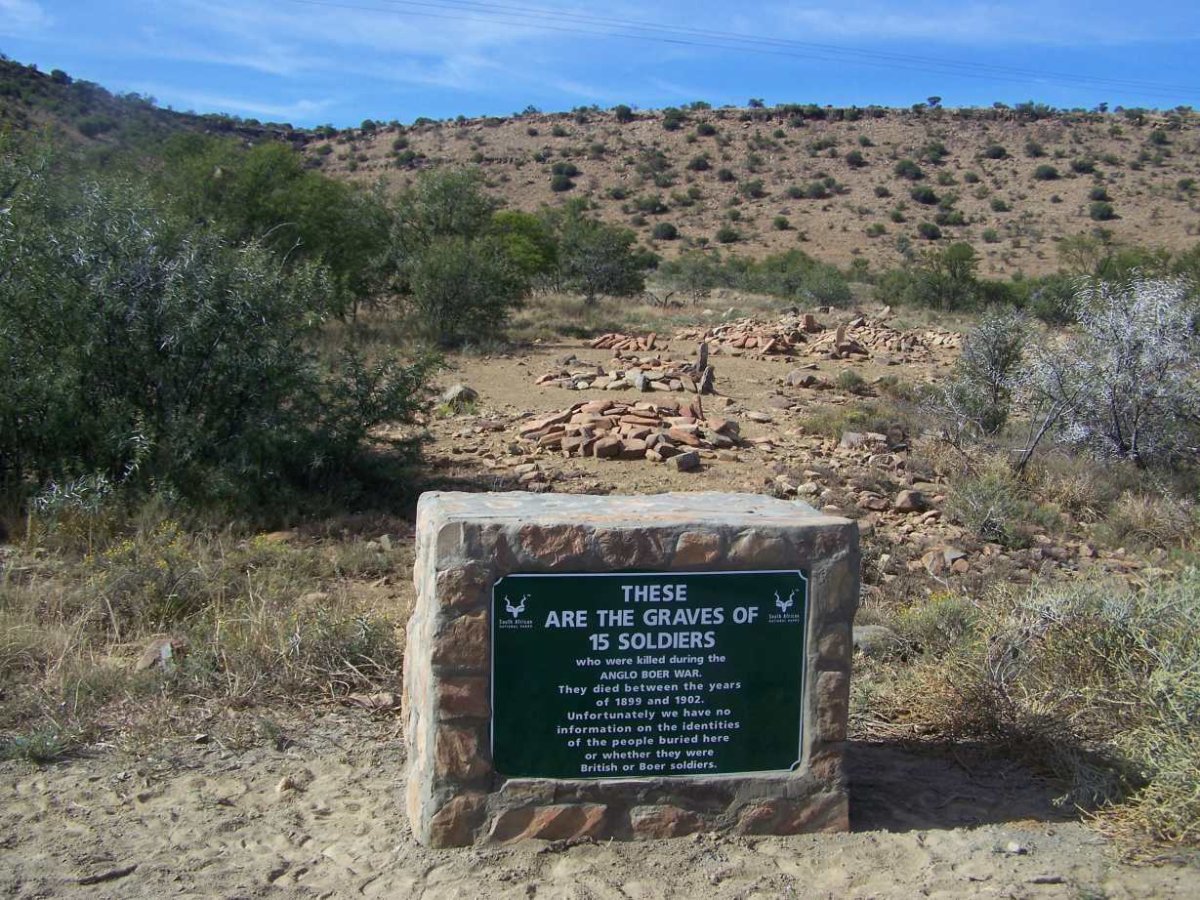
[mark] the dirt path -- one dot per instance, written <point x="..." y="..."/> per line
<point x="200" y="821"/>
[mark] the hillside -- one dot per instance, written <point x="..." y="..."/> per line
<point x="833" y="182"/>
<point x="1010" y="182"/>
<point x="88" y="114"/>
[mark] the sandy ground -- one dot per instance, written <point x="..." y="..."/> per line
<point x="200" y="821"/>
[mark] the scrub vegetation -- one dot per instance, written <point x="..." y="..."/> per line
<point x="224" y="344"/>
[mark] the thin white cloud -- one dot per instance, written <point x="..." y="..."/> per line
<point x="20" y="17"/>
<point x="962" y="23"/>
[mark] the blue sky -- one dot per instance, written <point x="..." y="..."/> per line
<point x="340" y="61"/>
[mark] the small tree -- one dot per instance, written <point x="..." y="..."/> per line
<point x="977" y="398"/>
<point x="596" y="258"/>
<point x="464" y="289"/>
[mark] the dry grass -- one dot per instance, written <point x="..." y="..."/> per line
<point x="257" y="620"/>
<point x="1096" y="684"/>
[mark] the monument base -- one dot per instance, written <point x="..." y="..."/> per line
<point x="466" y="543"/>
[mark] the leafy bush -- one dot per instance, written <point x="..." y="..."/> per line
<point x="929" y="231"/>
<point x="793" y="275"/>
<point x="977" y="398"/>
<point x="1045" y="172"/>
<point x="990" y="505"/>
<point x="906" y="168"/>
<point x="924" y="194"/>
<point x="725" y="175"/>
<point x="596" y="258"/>
<point x="1101" y="211"/>
<point x="727" y="235"/>
<point x="664" y="231"/>
<point x="855" y="159"/>
<point x="560" y="183"/>
<point x="463" y="288"/>
<point x="1127" y="384"/>
<point x="994" y="151"/>
<point x="1097" y="684"/>
<point x="151" y="353"/>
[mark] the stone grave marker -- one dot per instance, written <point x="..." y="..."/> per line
<point x="625" y="667"/>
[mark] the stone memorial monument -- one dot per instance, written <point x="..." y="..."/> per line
<point x="627" y="667"/>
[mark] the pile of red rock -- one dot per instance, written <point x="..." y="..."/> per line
<point x="801" y="333"/>
<point x="764" y="338"/>
<point x="869" y="337"/>
<point x="617" y="341"/>
<point x="609" y="429"/>
<point x="641" y="373"/>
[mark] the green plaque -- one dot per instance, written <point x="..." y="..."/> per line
<point x="647" y="674"/>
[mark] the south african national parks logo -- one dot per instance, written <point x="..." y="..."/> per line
<point x="514" y="616"/>
<point x="785" y="610"/>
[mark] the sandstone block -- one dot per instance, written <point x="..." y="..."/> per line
<point x="833" y="705"/>
<point x="463" y="644"/>
<point x="698" y="548"/>
<point x="760" y="549"/>
<point x="458" y="753"/>
<point x="463" y="697"/>
<point x="455" y="824"/>
<point x="665" y="821"/>
<point x="550" y="823"/>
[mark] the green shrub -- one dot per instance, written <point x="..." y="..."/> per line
<point x="991" y="236"/>
<point x="990" y="505"/>
<point x="727" y="235"/>
<point x="781" y="223"/>
<point x="924" y="194"/>
<point x="1045" y="172"/>
<point x="664" y="231"/>
<point x="706" y="129"/>
<point x="170" y="359"/>
<point x="560" y="183"/>
<point x="569" y="169"/>
<point x="753" y="189"/>
<point x="1096" y="684"/>
<point x="1034" y="150"/>
<point x="929" y="231"/>
<point x="908" y="169"/>
<point x="725" y="175"/>
<point x="463" y="288"/>
<point x="1101" y="211"/>
<point x="855" y="159"/>
<point x="994" y="151"/>
<point x="999" y="204"/>
<point x="882" y="192"/>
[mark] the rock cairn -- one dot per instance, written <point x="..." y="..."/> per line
<point x="793" y="334"/>
<point x="622" y="342"/>
<point x="610" y="429"/>
<point x="640" y="373"/>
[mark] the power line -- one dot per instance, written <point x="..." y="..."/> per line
<point x="549" y="20"/>
<point x="739" y="37"/>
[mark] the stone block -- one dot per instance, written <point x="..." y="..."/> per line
<point x="459" y="754"/>
<point x="463" y="697"/>
<point x="462" y="645"/>
<point x="696" y="549"/>
<point x="663" y="821"/>
<point x="467" y="542"/>
<point x="833" y="705"/>
<point x="550" y="823"/>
